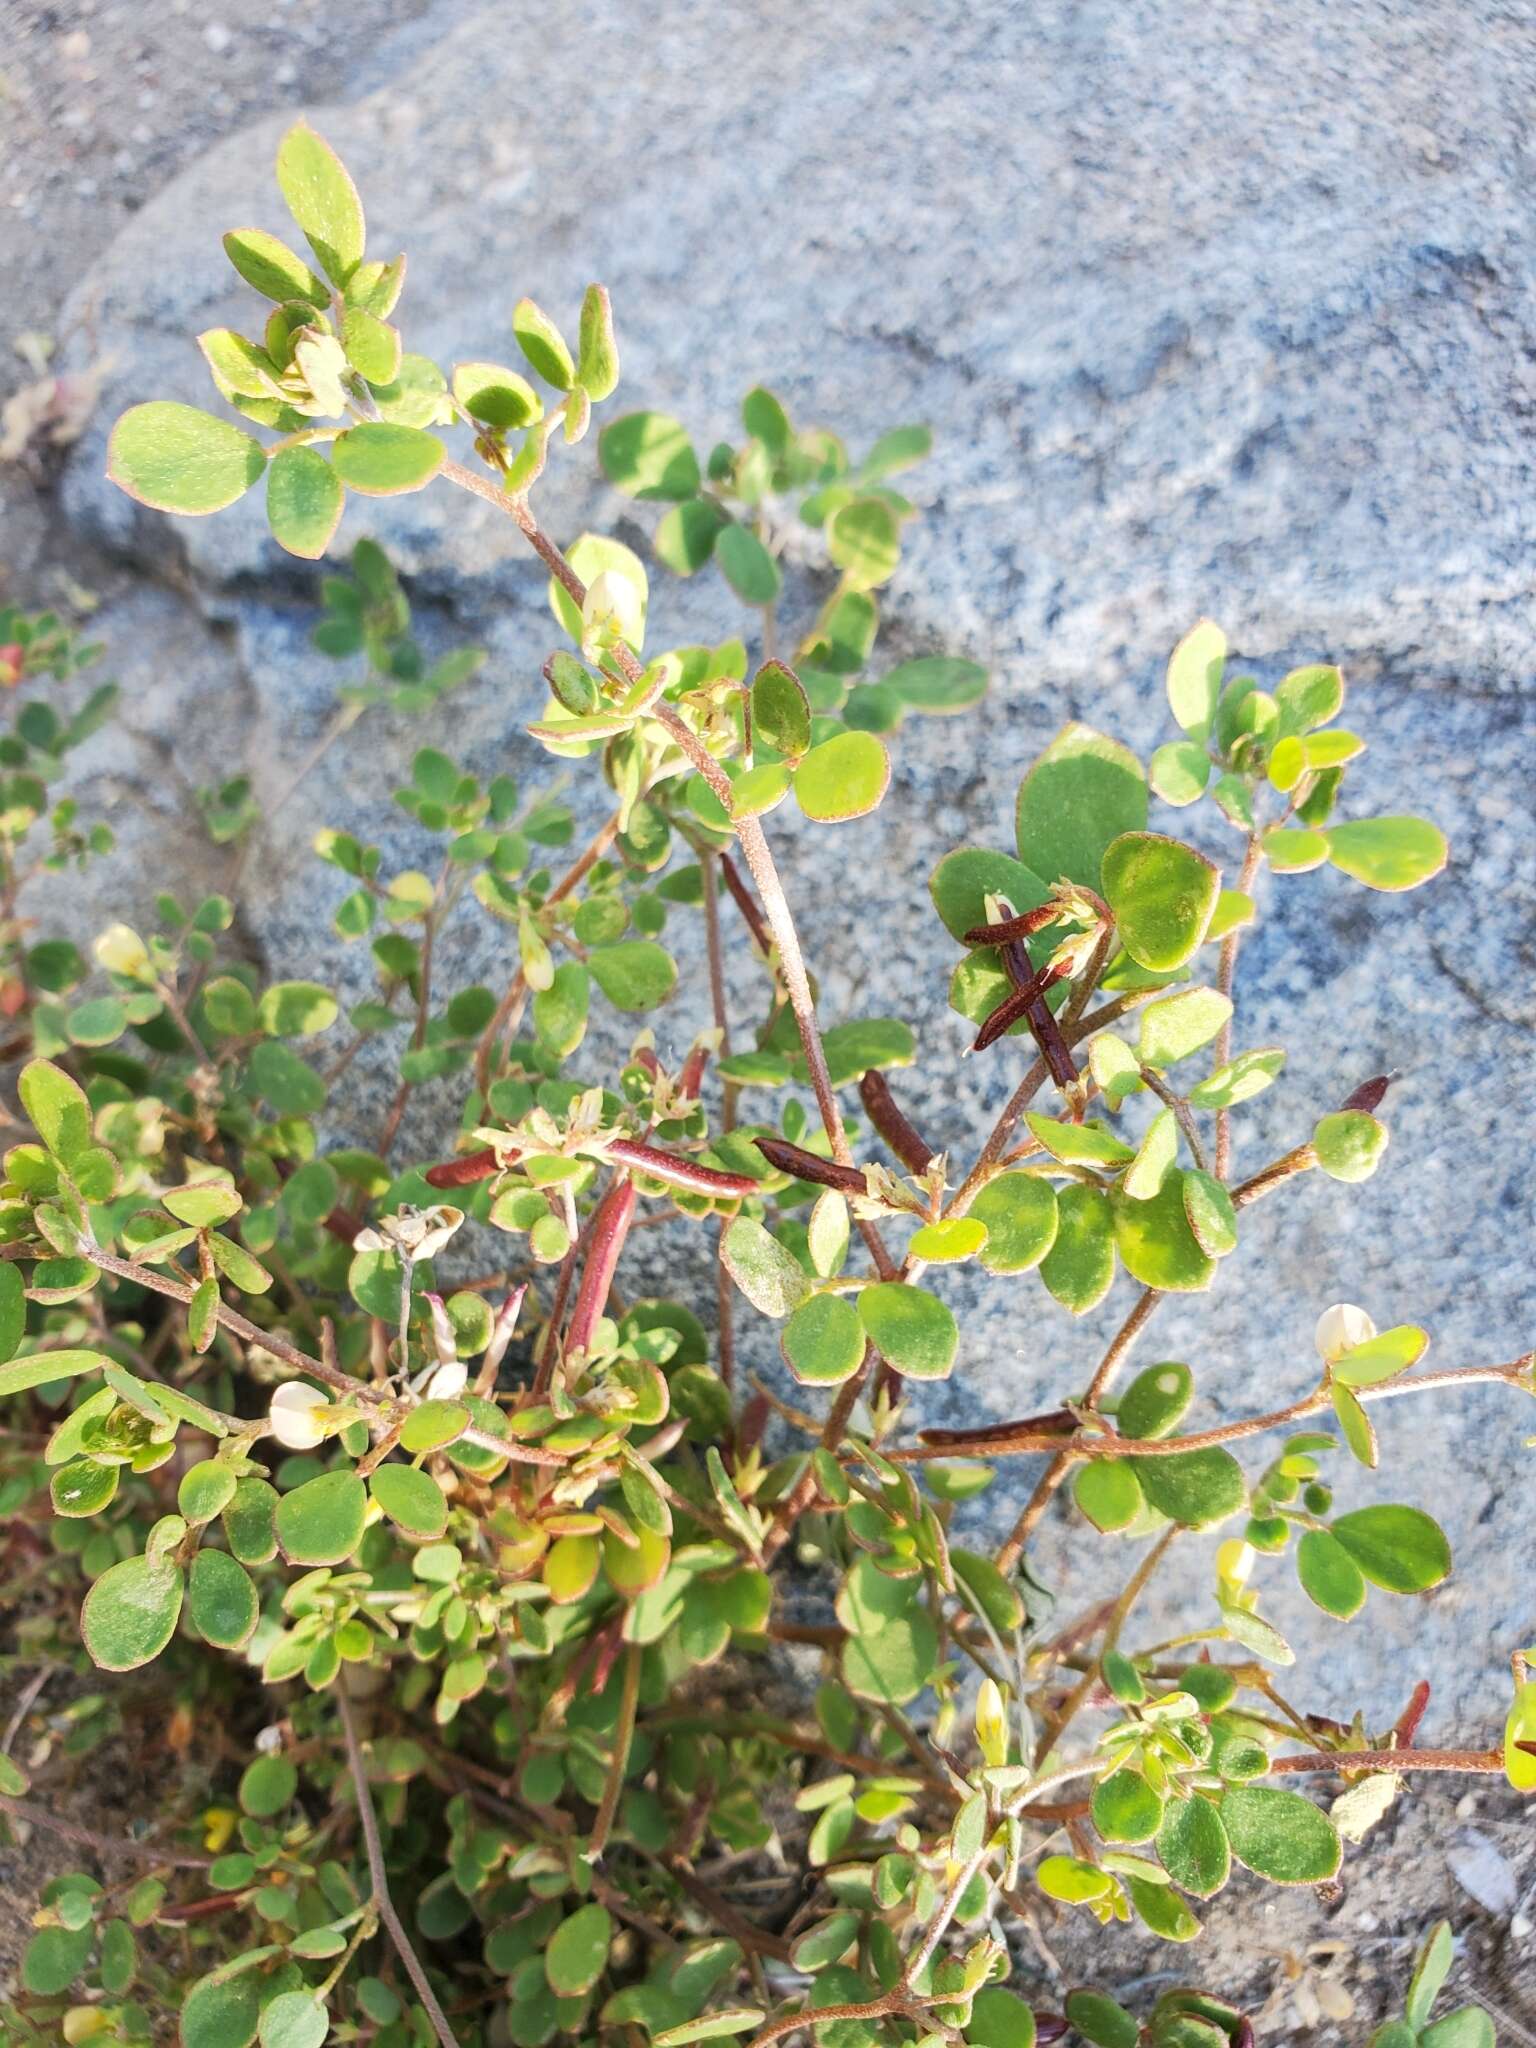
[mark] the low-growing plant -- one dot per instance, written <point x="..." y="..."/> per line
<point x="487" y="1574"/>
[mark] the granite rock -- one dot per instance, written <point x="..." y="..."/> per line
<point x="1211" y="312"/>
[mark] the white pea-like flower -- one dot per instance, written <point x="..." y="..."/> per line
<point x="1340" y="1329"/>
<point x="611" y="611"/>
<point x="294" y="1416"/>
<point x="413" y="1233"/>
<point x="448" y="1381"/>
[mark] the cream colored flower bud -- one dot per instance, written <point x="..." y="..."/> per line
<point x="448" y="1382"/>
<point x="1340" y="1329"/>
<point x="612" y="611"/>
<point x="294" y="1416"/>
<point x="121" y="951"/>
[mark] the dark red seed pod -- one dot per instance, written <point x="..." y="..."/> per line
<point x="1368" y="1096"/>
<point x="1408" y="1721"/>
<point x="1050" y="2026"/>
<point x="464" y="1171"/>
<point x="881" y="1107"/>
<point x="1059" y="1422"/>
<point x="803" y="1165"/>
<point x="1020" y="927"/>
<point x="1242" y="2033"/>
<point x="681" y="1173"/>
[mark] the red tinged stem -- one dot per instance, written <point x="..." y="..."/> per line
<point x="884" y="1113"/>
<point x="681" y="1173"/>
<point x="464" y="1171"/>
<point x="1408" y="1721"/>
<point x="741" y="896"/>
<point x="610" y="1227"/>
<point x="803" y="1165"/>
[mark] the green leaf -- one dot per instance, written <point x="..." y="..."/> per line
<point x="1388" y="853"/>
<point x="205" y="1490"/>
<point x="864" y="540"/>
<point x="381" y="461"/>
<point x="271" y="268"/>
<point x="1359" y="1431"/>
<point x="1329" y="1576"/>
<point x="178" y="459"/>
<point x="294" y="2019"/>
<point x="597" y="358"/>
<point x="221" y="2010"/>
<point x="1099" y="2019"/>
<point x="432" y="1425"/>
<point x="912" y="1329"/>
<point x="560" y="1011"/>
<point x="648" y="455"/>
<point x="411" y="1498"/>
<point x="823" y="1341"/>
<point x="711" y="2026"/>
<point x="131" y="1611"/>
<point x="1083" y="792"/>
<point x="987" y="1589"/>
<point x="1156" y="1242"/>
<point x="1383" y="1357"/>
<point x="636" y="974"/>
<point x="267" y="1786"/>
<point x="1162" y="894"/>
<point x="54" y="1958"/>
<point x="1246" y="1076"/>
<point x="323" y="200"/>
<point x="1080" y="1264"/>
<point x="321" y="1522"/>
<point x="1349" y="1144"/>
<point x="1193" y="1846"/>
<point x="1195" y="670"/>
<point x="781" y="715"/>
<point x="1108" y="1493"/>
<point x="1155" y="1401"/>
<point x="1196" y="1489"/>
<point x="963" y="880"/>
<point x="1280" y="1835"/>
<point x="13" y="1310"/>
<point x="1159" y="1907"/>
<point x="1175" y="1026"/>
<point x="771" y="1277"/>
<point x="893" y="1664"/>
<point x="498" y="398"/>
<point x="1309" y="697"/>
<point x="1087" y="1144"/>
<point x="824" y="1941"/>
<point x="999" y="2019"/>
<point x="845" y="777"/>
<point x="296" y="1009"/>
<point x="248" y="1522"/>
<point x="1468" y="2027"/>
<point x="1291" y="851"/>
<point x="221" y="1599"/>
<point x="1430" y="1971"/>
<point x="372" y="346"/>
<point x="949" y="1241"/>
<point x="938" y="683"/>
<point x="543" y="344"/>
<point x="1125" y="1807"/>
<point x="748" y="567"/>
<point x="578" y="1950"/>
<point x="685" y="539"/>
<point x="1400" y="1549"/>
<point x="1156" y="1153"/>
<point x="202" y="1203"/>
<point x="304" y="501"/>
<point x="1179" y="771"/>
<point x="1210" y="1212"/>
<point x="291" y="1086"/>
<point x="1019" y="1212"/>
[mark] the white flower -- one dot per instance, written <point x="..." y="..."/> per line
<point x="448" y="1381"/>
<point x="121" y="951"/>
<point x="1340" y="1329"/>
<point x="612" y="611"/>
<point x="412" y="1233"/>
<point x="293" y="1417"/>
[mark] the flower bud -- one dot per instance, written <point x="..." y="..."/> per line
<point x="448" y="1381"/>
<point x="294" y="1416"/>
<point x="612" y="611"/>
<point x="1340" y="1329"/>
<point x="121" y="951"/>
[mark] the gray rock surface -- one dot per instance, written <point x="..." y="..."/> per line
<point x="1224" y="312"/>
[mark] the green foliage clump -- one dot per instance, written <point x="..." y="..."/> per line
<point x="481" y="1576"/>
